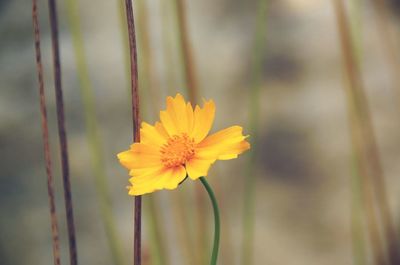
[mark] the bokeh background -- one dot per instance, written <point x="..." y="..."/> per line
<point x="302" y="164"/>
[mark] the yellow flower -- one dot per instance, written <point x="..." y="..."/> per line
<point x="178" y="146"/>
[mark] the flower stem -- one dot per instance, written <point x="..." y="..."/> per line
<point x="210" y="192"/>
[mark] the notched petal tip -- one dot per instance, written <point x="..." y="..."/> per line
<point x="203" y="118"/>
<point x="119" y="156"/>
<point x="209" y="101"/>
<point x="179" y="95"/>
<point x="226" y="144"/>
<point x="124" y="158"/>
<point x="169" y="98"/>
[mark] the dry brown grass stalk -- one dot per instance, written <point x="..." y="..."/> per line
<point x="365" y="145"/>
<point x="62" y="133"/>
<point x="45" y="136"/>
<point x="136" y="125"/>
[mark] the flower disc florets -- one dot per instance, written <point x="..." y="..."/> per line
<point x="177" y="150"/>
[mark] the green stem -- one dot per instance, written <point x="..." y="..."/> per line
<point x="92" y="133"/>
<point x="357" y="204"/>
<point x="210" y="192"/>
<point x="249" y="196"/>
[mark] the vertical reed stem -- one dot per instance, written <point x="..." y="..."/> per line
<point x="150" y="79"/>
<point x="45" y="136"/>
<point x="356" y="28"/>
<point x="93" y="138"/>
<point x="364" y="140"/>
<point x="149" y="82"/>
<point x="187" y="53"/>
<point x="249" y="189"/>
<point x="136" y="125"/>
<point x="357" y="205"/>
<point x="391" y="53"/>
<point x="157" y="243"/>
<point x="357" y="210"/>
<point x="372" y="151"/>
<point x="181" y="219"/>
<point x="159" y="253"/>
<point x="167" y="45"/>
<point x="366" y="190"/>
<point x="62" y="133"/>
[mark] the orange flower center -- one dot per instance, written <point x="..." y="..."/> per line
<point x="177" y="151"/>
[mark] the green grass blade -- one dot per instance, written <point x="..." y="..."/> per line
<point x="94" y="142"/>
<point x="249" y="186"/>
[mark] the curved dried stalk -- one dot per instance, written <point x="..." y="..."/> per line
<point x="45" y="136"/>
<point x="62" y="133"/>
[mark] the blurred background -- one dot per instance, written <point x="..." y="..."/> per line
<point x="287" y="87"/>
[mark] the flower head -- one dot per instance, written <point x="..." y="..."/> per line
<point x="178" y="146"/>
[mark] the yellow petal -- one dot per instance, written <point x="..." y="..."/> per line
<point x="151" y="136"/>
<point x="147" y="149"/>
<point x="175" y="118"/>
<point x="161" y="130"/>
<point x="135" y="191"/>
<point x="190" y="117"/>
<point x="225" y="144"/>
<point x="176" y="107"/>
<point x="135" y="160"/>
<point x="163" y="178"/>
<point x="203" y="120"/>
<point x="147" y="176"/>
<point x="147" y="183"/>
<point x="178" y="174"/>
<point x="142" y="172"/>
<point x="234" y="150"/>
<point x="168" y="123"/>
<point x="198" y="167"/>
